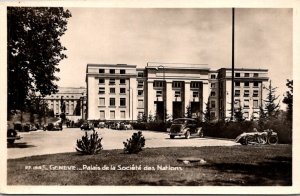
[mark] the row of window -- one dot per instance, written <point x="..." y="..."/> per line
<point x="237" y="103"/>
<point x="112" y="102"/>
<point x="177" y="93"/>
<point x="113" y="91"/>
<point x="237" y="74"/>
<point x="112" y="114"/>
<point x="113" y="71"/>
<point x="237" y="93"/>
<point x="177" y="84"/>
<point x="246" y="84"/>
<point x="112" y="81"/>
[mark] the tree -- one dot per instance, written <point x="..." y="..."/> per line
<point x="188" y="113"/>
<point x="271" y="108"/>
<point x="207" y="116"/>
<point x="239" y="114"/>
<point x="34" y="51"/>
<point x="288" y="99"/>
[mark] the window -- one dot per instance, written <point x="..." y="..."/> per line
<point x="140" y="74"/>
<point x="213" y="76"/>
<point x="101" y="71"/>
<point x="246" y="84"/>
<point x="102" y="101"/>
<point x="122" y="101"/>
<point x="112" y="81"/>
<point x="246" y="93"/>
<point x="213" y="104"/>
<point x="237" y="75"/>
<point x="237" y="84"/>
<point x="122" y="90"/>
<point x="122" y="114"/>
<point x="255" y="103"/>
<point x="195" y="94"/>
<point x="195" y="84"/>
<point x="213" y="93"/>
<point x="176" y="84"/>
<point x="101" y="90"/>
<point x="177" y="93"/>
<point x="213" y="85"/>
<point x="140" y="103"/>
<point x="246" y="74"/>
<point x="112" y="114"/>
<point x="213" y="115"/>
<point x="102" y="114"/>
<point x="255" y="84"/>
<point x="158" y="93"/>
<point x="140" y="84"/>
<point x="237" y="93"/>
<point x="140" y="92"/>
<point x="246" y="115"/>
<point x="122" y="71"/>
<point x="237" y="103"/>
<point x="112" y="102"/>
<point x="122" y="81"/>
<point x="246" y="103"/>
<point x="255" y="75"/>
<point x="158" y="84"/>
<point x="112" y="71"/>
<point x="255" y="93"/>
<point x="112" y="90"/>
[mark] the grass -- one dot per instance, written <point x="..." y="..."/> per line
<point x="235" y="165"/>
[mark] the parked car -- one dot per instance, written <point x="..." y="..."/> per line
<point x="87" y="126"/>
<point x="29" y="127"/>
<point x="101" y="125"/>
<point x="55" y="126"/>
<point x="127" y="126"/>
<point x="12" y="135"/>
<point x="185" y="127"/>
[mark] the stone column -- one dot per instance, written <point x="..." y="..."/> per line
<point x="187" y="95"/>
<point x="169" y="99"/>
<point x="133" y="98"/>
<point x="205" y="95"/>
<point x="151" y="95"/>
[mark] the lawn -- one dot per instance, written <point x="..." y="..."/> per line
<point x="235" y="165"/>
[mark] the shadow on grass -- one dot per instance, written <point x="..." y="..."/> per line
<point x="19" y="145"/>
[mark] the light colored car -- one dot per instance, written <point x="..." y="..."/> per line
<point x="185" y="127"/>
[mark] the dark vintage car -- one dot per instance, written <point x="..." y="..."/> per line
<point x="55" y="126"/>
<point x="185" y="127"/>
<point x="12" y="135"/>
<point x="87" y="126"/>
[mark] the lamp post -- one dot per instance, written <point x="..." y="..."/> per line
<point x="164" y="90"/>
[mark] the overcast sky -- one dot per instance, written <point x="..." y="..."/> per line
<point x="263" y="39"/>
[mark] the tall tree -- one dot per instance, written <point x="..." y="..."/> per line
<point x="271" y="107"/>
<point x="206" y="113"/>
<point x="34" y="51"/>
<point x="239" y="114"/>
<point x="288" y="99"/>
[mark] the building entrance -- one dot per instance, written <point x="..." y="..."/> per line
<point x="159" y="110"/>
<point x="195" y="109"/>
<point x="178" y="110"/>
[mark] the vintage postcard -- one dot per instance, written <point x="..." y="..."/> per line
<point x="129" y="97"/>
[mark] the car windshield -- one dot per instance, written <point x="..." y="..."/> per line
<point x="179" y="121"/>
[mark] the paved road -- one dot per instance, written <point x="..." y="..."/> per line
<point x="50" y="142"/>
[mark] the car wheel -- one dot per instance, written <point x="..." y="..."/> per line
<point x="10" y="141"/>
<point x="172" y="136"/>
<point x="187" y="134"/>
<point x="273" y="140"/>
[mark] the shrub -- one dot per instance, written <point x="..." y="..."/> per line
<point x="89" y="144"/>
<point x="135" y="143"/>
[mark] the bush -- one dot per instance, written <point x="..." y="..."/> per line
<point x="89" y="144"/>
<point x="135" y="143"/>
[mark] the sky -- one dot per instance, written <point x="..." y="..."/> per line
<point x="263" y="39"/>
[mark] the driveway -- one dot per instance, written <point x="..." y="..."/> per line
<point x="51" y="142"/>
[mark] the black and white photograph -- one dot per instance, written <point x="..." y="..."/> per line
<point x="178" y="98"/>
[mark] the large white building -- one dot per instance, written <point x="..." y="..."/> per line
<point x="165" y="90"/>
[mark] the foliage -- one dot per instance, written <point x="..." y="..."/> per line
<point x="34" y="51"/>
<point x="239" y="115"/>
<point x="135" y="143"/>
<point x="271" y="108"/>
<point x="288" y="99"/>
<point x="188" y="113"/>
<point x="89" y="144"/>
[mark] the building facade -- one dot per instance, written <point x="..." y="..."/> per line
<point x="73" y="100"/>
<point x="169" y="91"/>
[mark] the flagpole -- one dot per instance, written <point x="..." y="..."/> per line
<point x="232" y="69"/>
